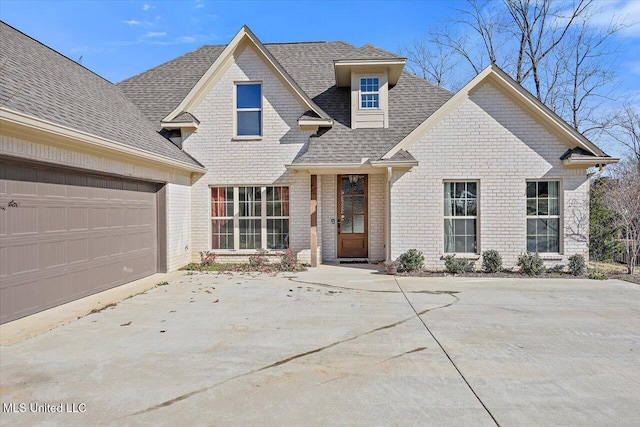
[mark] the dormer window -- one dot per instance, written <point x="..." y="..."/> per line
<point x="369" y="93"/>
<point x="248" y="109"/>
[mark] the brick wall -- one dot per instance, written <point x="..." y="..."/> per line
<point x="491" y="139"/>
<point x="262" y="162"/>
<point x="178" y="226"/>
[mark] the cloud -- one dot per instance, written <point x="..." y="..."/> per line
<point x="147" y="6"/>
<point x="155" y="34"/>
<point x="186" y="39"/>
<point x="625" y="13"/>
<point x="132" y="22"/>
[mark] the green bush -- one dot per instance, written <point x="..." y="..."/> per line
<point x="531" y="263"/>
<point x="596" y="274"/>
<point x="412" y="260"/>
<point x="491" y="261"/>
<point x="577" y="265"/>
<point x="455" y="265"/>
<point x="558" y="268"/>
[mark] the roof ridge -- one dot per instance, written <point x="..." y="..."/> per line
<point x="56" y="52"/>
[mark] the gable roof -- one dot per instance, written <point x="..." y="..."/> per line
<point x="494" y="74"/>
<point x="310" y="65"/>
<point x="38" y="82"/>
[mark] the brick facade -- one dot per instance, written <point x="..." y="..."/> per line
<point x="490" y="139"/>
<point x="253" y="163"/>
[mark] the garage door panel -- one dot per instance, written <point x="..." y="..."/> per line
<point x="66" y="241"/>
<point x="78" y="251"/>
<point x="78" y="218"/>
<point x="24" y="223"/>
<point x="98" y="218"/>
<point x="52" y="254"/>
<point x="116" y="217"/>
<point x="53" y="219"/>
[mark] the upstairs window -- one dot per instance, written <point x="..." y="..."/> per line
<point x="369" y="93"/>
<point x="248" y="109"/>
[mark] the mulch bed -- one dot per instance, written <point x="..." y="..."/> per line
<point x="515" y="274"/>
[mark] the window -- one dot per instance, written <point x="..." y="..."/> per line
<point x="222" y="218"/>
<point x="543" y="216"/>
<point x="369" y="93"/>
<point x="248" y="109"/>
<point x="277" y="217"/>
<point x="460" y="217"/>
<point x="250" y="217"/>
<point x="258" y="209"/>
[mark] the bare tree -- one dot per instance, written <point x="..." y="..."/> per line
<point x="622" y="197"/>
<point x="547" y="46"/>
<point x="624" y="128"/>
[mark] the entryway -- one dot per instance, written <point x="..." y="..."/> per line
<point x="353" y="216"/>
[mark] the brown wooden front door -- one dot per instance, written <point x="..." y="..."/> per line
<point x="353" y="216"/>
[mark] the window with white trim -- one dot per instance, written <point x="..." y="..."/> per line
<point x="543" y="216"/>
<point x="222" y="218"/>
<point x="250" y="205"/>
<point x="369" y="93"/>
<point x="258" y="216"/>
<point x="248" y="109"/>
<point x="277" y="217"/>
<point x="460" y="217"/>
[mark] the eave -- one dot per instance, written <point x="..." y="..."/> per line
<point x="10" y="119"/>
<point x="344" y="67"/>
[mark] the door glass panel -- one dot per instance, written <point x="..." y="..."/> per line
<point x="358" y="223"/>
<point x="347" y="225"/>
<point x="358" y="205"/>
<point x="359" y="186"/>
<point x="346" y="186"/>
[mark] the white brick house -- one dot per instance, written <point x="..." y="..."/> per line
<point x="327" y="149"/>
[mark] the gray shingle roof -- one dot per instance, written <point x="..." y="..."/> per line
<point x="158" y="91"/>
<point x="38" y="81"/>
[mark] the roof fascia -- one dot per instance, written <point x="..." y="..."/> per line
<point x="199" y="90"/>
<point x="72" y="135"/>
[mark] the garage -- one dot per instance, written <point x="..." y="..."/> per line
<point x="66" y="234"/>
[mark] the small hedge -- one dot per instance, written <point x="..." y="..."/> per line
<point x="531" y="263"/>
<point x="412" y="260"/>
<point x="597" y="274"/>
<point x="577" y="265"/>
<point x="491" y="261"/>
<point x="455" y="265"/>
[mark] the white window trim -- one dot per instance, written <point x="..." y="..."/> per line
<point x="547" y="255"/>
<point x="236" y="110"/>
<point x="236" y="219"/>
<point x="226" y="217"/>
<point x="360" y="93"/>
<point x="469" y="255"/>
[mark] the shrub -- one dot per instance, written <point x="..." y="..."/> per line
<point x="455" y="265"/>
<point x="289" y="261"/>
<point x="577" y="265"/>
<point x="259" y="259"/>
<point x="491" y="261"/>
<point x="412" y="260"/>
<point x="531" y="263"/>
<point x="597" y="274"/>
<point x="207" y="258"/>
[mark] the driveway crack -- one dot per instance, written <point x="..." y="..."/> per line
<point x="419" y="314"/>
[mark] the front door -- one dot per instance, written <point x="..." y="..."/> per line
<point x="353" y="216"/>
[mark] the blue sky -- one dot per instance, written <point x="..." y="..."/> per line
<point x="118" y="39"/>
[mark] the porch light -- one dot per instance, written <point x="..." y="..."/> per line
<point x="353" y="179"/>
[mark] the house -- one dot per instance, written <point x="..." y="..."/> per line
<point x="333" y="151"/>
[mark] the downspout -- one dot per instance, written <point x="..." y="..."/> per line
<point x="598" y="173"/>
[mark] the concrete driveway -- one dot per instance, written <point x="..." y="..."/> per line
<point x="339" y="345"/>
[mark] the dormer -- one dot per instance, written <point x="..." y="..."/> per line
<point x="369" y="80"/>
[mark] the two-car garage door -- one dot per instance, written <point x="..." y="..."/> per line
<point x="67" y="234"/>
